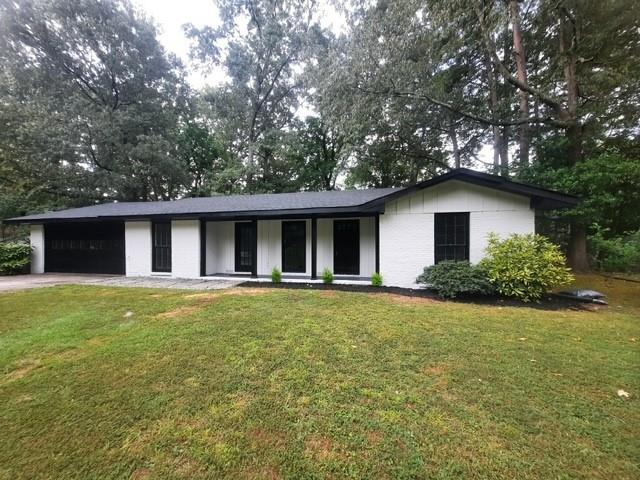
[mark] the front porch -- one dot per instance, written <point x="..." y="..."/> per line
<point x="301" y="248"/>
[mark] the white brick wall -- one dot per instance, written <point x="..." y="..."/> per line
<point x="185" y="248"/>
<point x="504" y="223"/>
<point x="407" y="226"/>
<point x="37" y="246"/>
<point x="137" y="248"/>
<point x="406" y="247"/>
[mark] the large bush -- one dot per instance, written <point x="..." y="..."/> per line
<point x="14" y="257"/>
<point x="617" y="254"/>
<point x="525" y="266"/>
<point x="451" y="279"/>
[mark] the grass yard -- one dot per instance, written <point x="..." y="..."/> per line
<point x="102" y="383"/>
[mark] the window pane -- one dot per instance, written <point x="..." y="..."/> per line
<point x="451" y="234"/>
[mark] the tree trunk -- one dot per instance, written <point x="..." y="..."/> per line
<point x="577" y="248"/>
<point x="504" y="152"/>
<point x="577" y="253"/>
<point x="454" y="142"/>
<point x="521" y="68"/>
<point x="567" y="47"/>
<point x="492" y="81"/>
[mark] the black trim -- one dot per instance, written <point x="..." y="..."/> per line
<point x="336" y="212"/>
<point x="160" y="252"/>
<point x="203" y="248"/>
<point x="314" y="248"/>
<point x="254" y="267"/>
<point x="541" y="198"/>
<point x="544" y="198"/>
<point x="377" y="240"/>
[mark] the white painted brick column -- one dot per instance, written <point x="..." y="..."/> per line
<point x="185" y="248"/>
<point x="137" y="248"/>
<point x="37" y="248"/>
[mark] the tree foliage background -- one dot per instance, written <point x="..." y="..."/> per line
<point x="93" y="108"/>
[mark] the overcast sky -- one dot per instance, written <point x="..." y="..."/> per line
<point x="171" y="15"/>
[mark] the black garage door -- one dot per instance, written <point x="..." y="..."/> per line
<point x="84" y="247"/>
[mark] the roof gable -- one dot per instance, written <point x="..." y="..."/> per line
<point x="299" y="203"/>
<point x="540" y="198"/>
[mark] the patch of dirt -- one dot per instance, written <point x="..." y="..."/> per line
<point x="436" y="370"/>
<point x="25" y="367"/>
<point x="374" y="438"/>
<point x="405" y="300"/>
<point x="96" y="341"/>
<point x="189" y="467"/>
<point x="261" y="438"/>
<point x="246" y="291"/>
<point x="201" y="296"/>
<point x="181" y="311"/>
<point x="320" y="447"/>
<point x="207" y="297"/>
<point x="265" y="472"/>
<point x="141" y="474"/>
<point x="328" y="293"/>
<point x="24" y="398"/>
<point x="72" y="354"/>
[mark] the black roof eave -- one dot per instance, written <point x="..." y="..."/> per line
<point x="541" y="198"/>
<point x="215" y="216"/>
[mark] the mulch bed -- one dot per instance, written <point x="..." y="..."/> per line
<point x="549" y="302"/>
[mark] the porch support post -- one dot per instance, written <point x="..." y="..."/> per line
<point x="314" y="247"/>
<point x="254" y="266"/>
<point x="377" y="223"/>
<point x="203" y="247"/>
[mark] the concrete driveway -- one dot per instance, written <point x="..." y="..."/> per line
<point x="23" y="282"/>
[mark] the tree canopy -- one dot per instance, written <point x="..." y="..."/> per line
<point x="93" y="108"/>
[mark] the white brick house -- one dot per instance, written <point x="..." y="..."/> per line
<point x="353" y="233"/>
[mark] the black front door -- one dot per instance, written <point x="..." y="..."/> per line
<point x="346" y="247"/>
<point x="294" y="242"/>
<point x="245" y="247"/>
<point x="161" y="260"/>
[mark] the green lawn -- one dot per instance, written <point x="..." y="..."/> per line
<point x="314" y="384"/>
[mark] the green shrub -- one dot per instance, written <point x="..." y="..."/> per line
<point x="451" y="279"/>
<point x="525" y="266"/>
<point x="14" y="257"/>
<point x="376" y="279"/>
<point x="327" y="276"/>
<point x="617" y="254"/>
<point x="276" y="275"/>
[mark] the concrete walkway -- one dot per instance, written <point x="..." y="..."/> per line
<point x="23" y="282"/>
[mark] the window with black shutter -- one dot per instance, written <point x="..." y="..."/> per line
<point x="451" y="236"/>
<point x="161" y="247"/>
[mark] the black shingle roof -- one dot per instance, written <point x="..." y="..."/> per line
<point x="283" y="204"/>
<point x="232" y="204"/>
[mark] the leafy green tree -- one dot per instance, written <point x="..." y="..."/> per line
<point x="92" y="103"/>
<point x="261" y="46"/>
<point x="607" y="185"/>
<point x="323" y="155"/>
<point x="208" y="165"/>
